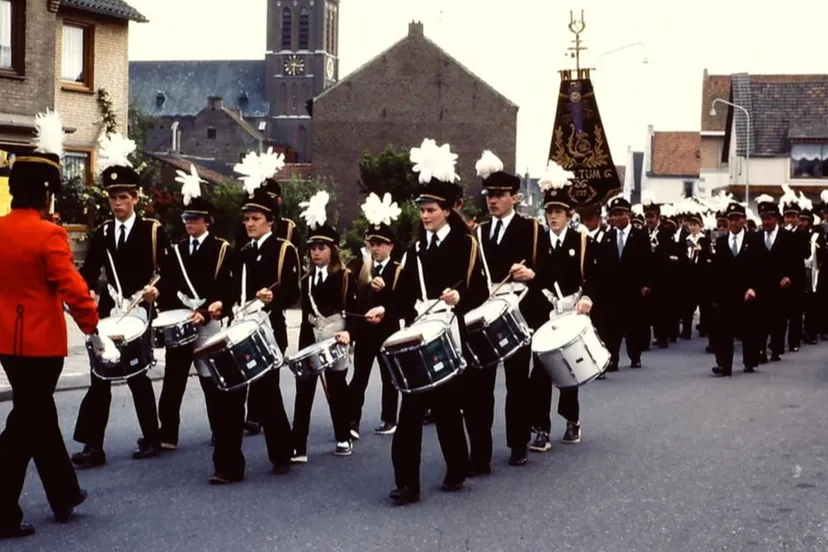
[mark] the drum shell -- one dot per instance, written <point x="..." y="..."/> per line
<point x="137" y="357"/>
<point x="237" y="365"/>
<point x="577" y="362"/>
<point x="425" y="366"/>
<point x="174" y="335"/>
<point x="205" y="332"/>
<point x="315" y="359"/>
<point x="492" y="342"/>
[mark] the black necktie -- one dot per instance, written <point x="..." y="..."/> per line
<point x="195" y="247"/>
<point x="433" y="245"/>
<point x="318" y="278"/>
<point x="497" y="229"/>
<point x="377" y="270"/>
<point x="122" y="237"/>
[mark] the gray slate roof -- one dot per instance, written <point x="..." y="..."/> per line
<point x="112" y="8"/>
<point x="186" y="85"/>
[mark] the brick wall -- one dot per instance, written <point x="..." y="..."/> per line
<point x="229" y="143"/>
<point x="711" y="152"/>
<point x="35" y="92"/>
<point x="411" y="92"/>
<point x="111" y="68"/>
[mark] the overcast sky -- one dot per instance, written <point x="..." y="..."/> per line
<point x="519" y="46"/>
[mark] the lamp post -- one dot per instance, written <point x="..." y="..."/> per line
<point x="624" y="47"/>
<point x="747" y="149"/>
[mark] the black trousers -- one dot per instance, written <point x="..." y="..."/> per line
<point x="795" y="315"/>
<point x="33" y="433"/>
<point x="732" y="319"/>
<point x="569" y="407"/>
<point x="255" y="410"/>
<point x="478" y="412"/>
<point x="406" y="448"/>
<point x="365" y="351"/>
<point x="774" y="316"/>
<point x="337" y="395"/>
<point x="93" y="414"/>
<point x="228" y="411"/>
<point x="811" y="322"/>
<point x="625" y="320"/>
<point x="176" y="373"/>
<point x="518" y="399"/>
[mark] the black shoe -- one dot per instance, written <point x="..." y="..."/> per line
<point x="763" y="358"/>
<point x="635" y="364"/>
<point x="146" y="450"/>
<point x="482" y="469"/>
<point x="686" y="335"/>
<point x="385" y="428"/>
<point x="63" y="515"/>
<point x="602" y="375"/>
<point x="775" y="358"/>
<point x="404" y="495"/>
<point x="572" y="434"/>
<point x="749" y="370"/>
<point x="89" y="457"/>
<point x="794" y="349"/>
<point x="451" y="486"/>
<point x="718" y="371"/>
<point x="354" y="430"/>
<point x="541" y="442"/>
<point x="663" y="344"/>
<point x="221" y="479"/>
<point x="281" y="469"/>
<point x="252" y="428"/>
<point x="518" y="457"/>
<point x="17" y="531"/>
<point x="613" y="367"/>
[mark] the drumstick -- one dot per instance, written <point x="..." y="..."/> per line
<point x="138" y="299"/>
<point x="504" y="280"/>
<point x="353" y="315"/>
<point x="269" y="288"/>
<point x="429" y="309"/>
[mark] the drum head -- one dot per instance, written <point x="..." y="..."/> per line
<point x="170" y="317"/>
<point x="130" y="327"/>
<point x="429" y="329"/>
<point x="311" y="350"/>
<point x="488" y="311"/>
<point x="559" y="331"/>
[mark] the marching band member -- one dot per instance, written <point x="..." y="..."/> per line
<point x="327" y="294"/>
<point x="510" y="245"/>
<point x="658" y="309"/>
<point x="377" y="279"/>
<point x="446" y="254"/>
<point x="811" y="235"/>
<point x="130" y="249"/>
<point x="38" y="276"/>
<point x="697" y="251"/>
<point x="733" y="293"/>
<point x="199" y="272"/>
<point x="265" y="262"/>
<point x="567" y="261"/>
<point x="258" y="170"/>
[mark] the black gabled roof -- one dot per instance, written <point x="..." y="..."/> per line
<point x="112" y="8"/>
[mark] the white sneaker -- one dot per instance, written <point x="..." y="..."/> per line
<point x="299" y="459"/>
<point x="343" y="448"/>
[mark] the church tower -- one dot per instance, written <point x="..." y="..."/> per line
<point x="301" y="61"/>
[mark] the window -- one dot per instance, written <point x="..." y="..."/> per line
<point x="211" y="133"/>
<point x="304" y="29"/>
<point x="12" y="36"/>
<point x="335" y="32"/>
<point x="76" y="165"/>
<point x="287" y="29"/>
<point x="688" y="188"/>
<point x="293" y="92"/>
<point x="76" y="59"/>
<point x="328" y="31"/>
<point x="809" y="161"/>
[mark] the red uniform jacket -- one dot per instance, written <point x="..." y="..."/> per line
<point x="37" y="275"/>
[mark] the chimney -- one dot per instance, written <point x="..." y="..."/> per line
<point x="174" y="130"/>
<point x="415" y="28"/>
<point x="706" y="74"/>
<point x="215" y="103"/>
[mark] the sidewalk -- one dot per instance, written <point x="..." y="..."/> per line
<point x="76" y="368"/>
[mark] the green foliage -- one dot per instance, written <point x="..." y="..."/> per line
<point x="107" y="110"/>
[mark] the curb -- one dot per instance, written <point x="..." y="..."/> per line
<point x="67" y="385"/>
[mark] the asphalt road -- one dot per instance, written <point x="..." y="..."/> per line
<point x="671" y="460"/>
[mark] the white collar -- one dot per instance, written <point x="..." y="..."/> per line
<point x="441" y="234"/>
<point x="200" y="239"/>
<point x="261" y="240"/>
<point x="128" y="223"/>
<point x="323" y="270"/>
<point x="558" y="238"/>
<point x="504" y="220"/>
<point x="381" y="264"/>
<point x="625" y="230"/>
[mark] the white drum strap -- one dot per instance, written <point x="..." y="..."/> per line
<point x="115" y="274"/>
<point x="243" y="299"/>
<point x="483" y="258"/>
<point x="421" y="276"/>
<point x="314" y="308"/>
<point x="184" y="272"/>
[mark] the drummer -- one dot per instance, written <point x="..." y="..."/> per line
<point x="447" y="255"/>
<point x="199" y="271"/>
<point x="130" y="249"/>
<point x="511" y="244"/>
<point x="565" y="276"/>
<point x="262" y="260"/>
<point x="328" y="291"/>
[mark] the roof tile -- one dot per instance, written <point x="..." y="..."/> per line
<point x="112" y="8"/>
<point x="676" y="154"/>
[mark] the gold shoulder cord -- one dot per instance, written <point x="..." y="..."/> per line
<point x="583" y="253"/>
<point x="222" y="253"/>
<point x="535" y="246"/>
<point x="155" y="226"/>
<point x="396" y="276"/>
<point x="290" y="226"/>
<point x="472" y="258"/>
<point x="345" y="284"/>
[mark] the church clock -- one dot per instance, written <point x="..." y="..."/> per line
<point x="294" y="65"/>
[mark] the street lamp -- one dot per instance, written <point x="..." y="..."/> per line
<point x="747" y="149"/>
<point x="625" y="47"/>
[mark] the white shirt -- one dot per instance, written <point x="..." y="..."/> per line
<point x="127" y="224"/>
<point x="261" y="240"/>
<point x="441" y="235"/>
<point x="739" y="239"/>
<point x="199" y="239"/>
<point x="380" y="265"/>
<point x="773" y="235"/>
<point x="323" y="270"/>
<point x="505" y="224"/>
<point x="557" y="240"/>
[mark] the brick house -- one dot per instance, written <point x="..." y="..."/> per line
<point x="714" y="170"/>
<point x="410" y="91"/>
<point x="788" y="133"/>
<point x="58" y="54"/>
<point x="672" y="165"/>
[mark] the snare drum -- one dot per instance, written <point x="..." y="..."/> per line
<point x="173" y="329"/>
<point x="570" y="350"/>
<point x="134" y="343"/>
<point x="422" y="356"/>
<point x="317" y="358"/>
<point x="495" y="331"/>
<point x="240" y="354"/>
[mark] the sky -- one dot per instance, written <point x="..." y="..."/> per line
<point x="519" y="46"/>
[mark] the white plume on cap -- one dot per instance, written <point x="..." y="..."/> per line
<point x="114" y="150"/>
<point x="554" y="177"/>
<point x="49" y="133"/>
<point x="750" y="215"/>
<point x="315" y="213"/>
<point x="381" y="211"/>
<point x="488" y="164"/>
<point x="823" y="195"/>
<point x="788" y="197"/>
<point x="637" y="209"/>
<point x="647" y="197"/>
<point x="804" y="202"/>
<point x="256" y="168"/>
<point x="764" y="198"/>
<point x="709" y="221"/>
<point x="668" y="210"/>
<point x="721" y="200"/>
<point x="432" y="161"/>
<point x="190" y="184"/>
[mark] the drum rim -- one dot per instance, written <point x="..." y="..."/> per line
<point x="312" y="349"/>
<point x="562" y="345"/>
<point x="507" y="307"/>
<point x="144" y="326"/>
<point x="155" y="321"/>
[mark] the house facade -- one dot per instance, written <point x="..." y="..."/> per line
<point x="410" y="91"/>
<point x="70" y="56"/>
<point x="715" y="171"/>
<point x="672" y="165"/>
